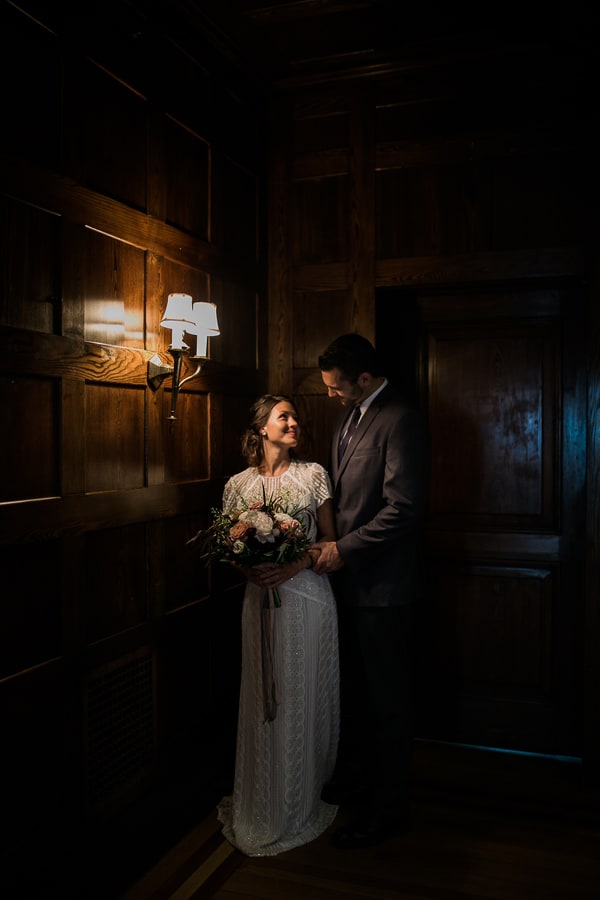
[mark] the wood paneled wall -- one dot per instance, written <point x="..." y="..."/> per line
<point x="419" y="205"/>
<point x="455" y="203"/>
<point x="127" y="172"/>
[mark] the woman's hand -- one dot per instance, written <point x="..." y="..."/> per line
<point x="271" y="575"/>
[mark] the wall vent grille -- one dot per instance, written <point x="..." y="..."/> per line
<point x="120" y="727"/>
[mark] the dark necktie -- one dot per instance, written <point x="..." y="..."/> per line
<point x="349" y="432"/>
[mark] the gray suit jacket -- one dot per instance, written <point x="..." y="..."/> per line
<point x="380" y="497"/>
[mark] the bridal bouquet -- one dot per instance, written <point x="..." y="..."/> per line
<point x="262" y="531"/>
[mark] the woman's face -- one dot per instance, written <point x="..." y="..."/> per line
<point x="282" y="427"/>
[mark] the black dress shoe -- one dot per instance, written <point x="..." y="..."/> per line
<point x="368" y="832"/>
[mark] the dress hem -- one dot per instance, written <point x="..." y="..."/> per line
<point x="325" y="816"/>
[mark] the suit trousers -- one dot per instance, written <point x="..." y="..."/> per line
<point x="377" y="731"/>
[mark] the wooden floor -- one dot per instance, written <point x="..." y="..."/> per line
<point x="450" y="853"/>
<point x="484" y="828"/>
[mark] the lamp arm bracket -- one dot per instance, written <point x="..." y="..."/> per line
<point x="192" y="376"/>
<point x="157" y="372"/>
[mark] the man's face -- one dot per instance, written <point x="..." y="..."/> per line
<point x="348" y="392"/>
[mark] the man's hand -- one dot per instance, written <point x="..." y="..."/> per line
<point x="329" y="559"/>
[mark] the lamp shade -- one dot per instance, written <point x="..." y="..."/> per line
<point x="205" y="325"/>
<point x="205" y="318"/>
<point x="178" y="317"/>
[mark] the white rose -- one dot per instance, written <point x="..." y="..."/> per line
<point x="263" y="524"/>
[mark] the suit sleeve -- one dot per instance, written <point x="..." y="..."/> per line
<point x="391" y="488"/>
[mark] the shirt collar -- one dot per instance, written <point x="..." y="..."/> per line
<point x="368" y="400"/>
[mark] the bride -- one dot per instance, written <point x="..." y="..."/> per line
<point x="288" y="718"/>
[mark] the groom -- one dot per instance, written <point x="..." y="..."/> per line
<point x="379" y="467"/>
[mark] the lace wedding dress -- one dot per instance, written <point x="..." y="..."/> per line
<point x="282" y="765"/>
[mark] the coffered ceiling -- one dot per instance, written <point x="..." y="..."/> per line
<point x="302" y="41"/>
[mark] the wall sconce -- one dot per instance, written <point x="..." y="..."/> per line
<point x="183" y="315"/>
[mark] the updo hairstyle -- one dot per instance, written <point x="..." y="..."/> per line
<point x="252" y="438"/>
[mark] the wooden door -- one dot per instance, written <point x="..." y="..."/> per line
<point x="501" y="374"/>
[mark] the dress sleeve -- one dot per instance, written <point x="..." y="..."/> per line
<point x="321" y="484"/>
<point x="233" y="492"/>
<point x="239" y="490"/>
<point x="227" y="496"/>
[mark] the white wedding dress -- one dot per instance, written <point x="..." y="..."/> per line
<point x="282" y="765"/>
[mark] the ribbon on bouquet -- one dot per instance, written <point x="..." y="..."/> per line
<point x="267" y="621"/>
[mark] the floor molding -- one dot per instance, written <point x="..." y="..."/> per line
<point x="189" y="866"/>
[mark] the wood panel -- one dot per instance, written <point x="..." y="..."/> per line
<point x="469" y="206"/>
<point x="106" y="126"/>
<point x="32" y="105"/>
<point x="501" y="641"/>
<point x="109" y="201"/>
<point x="114" y="438"/>
<point x="186" y="578"/>
<point x="317" y="134"/>
<point x="440" y="171"/>
<point x="31" y="468"/>
<point x="324" y="306"/>
<point x="362" y="221"/>
<point x="240" y="314"/>
<point x="187" y="440"/>
<point x="48" y="190"/>
<point x="234" y="207"/>
<point x="36" y="568"/>
<point x="494" y="642"/>
<point x="48" y="518"/>
<point x="485" y="267"/>
<point x="235" y="415"/>
<point x="112" y="288"/>
<point x="115" y="581"/>
<point x="37" y="705"/>
<point x="319" y="216"/>
<point x="439" y="160"/>
<point x="492" y="405"/>
<point x="188" y="179"/>
<point x="120" y="729"/>
<point x="318" y="414"/>
<point x="31" y="250"/>
<point x="591" y="562"/>
<point x="279" y="252"/>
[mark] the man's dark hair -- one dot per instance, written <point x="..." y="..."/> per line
<point x="352" y="354"/>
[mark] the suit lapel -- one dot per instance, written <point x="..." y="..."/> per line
<point x="337" y="434"/>
<point x="370" y="414"/>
